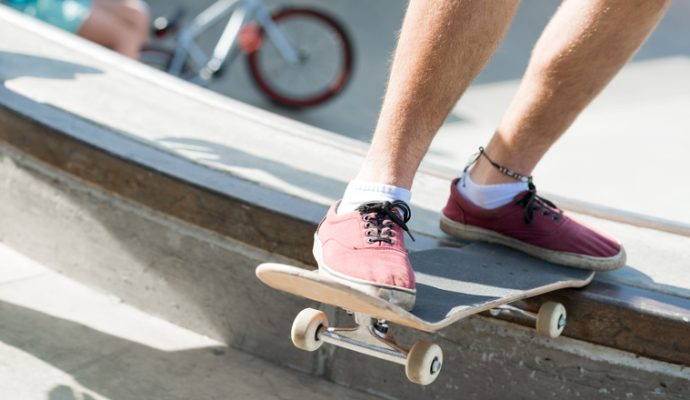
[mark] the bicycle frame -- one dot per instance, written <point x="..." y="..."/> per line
<point x="240" y="12"/>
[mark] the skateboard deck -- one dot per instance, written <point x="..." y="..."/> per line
<point x="452" y="283"/>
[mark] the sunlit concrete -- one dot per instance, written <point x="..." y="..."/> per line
<point x="60" y="340"/>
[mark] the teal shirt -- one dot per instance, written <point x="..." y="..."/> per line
<point x="66" y="14"/>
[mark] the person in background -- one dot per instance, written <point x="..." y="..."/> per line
<point x="121" y="25"/>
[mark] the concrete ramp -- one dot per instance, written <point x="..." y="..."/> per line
<point x="62" y="340"/>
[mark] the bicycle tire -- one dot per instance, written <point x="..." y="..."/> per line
<point x="334" y="86"/>
<point x="160" y="58"/>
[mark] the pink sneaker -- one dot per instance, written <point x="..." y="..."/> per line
<point x="535" y="226"/>
<point x="366" y="250"/>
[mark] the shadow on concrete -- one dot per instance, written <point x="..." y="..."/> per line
<point x="116" y="368"/>
<point x="16" y="65"/>
<point x="209" y="152"/>
<point x="62" y="392"/>
<point x="215" y="153"/>
<point x="631" y="276"/>
<point x="120" y="369"/>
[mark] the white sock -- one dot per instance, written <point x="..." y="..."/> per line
<point x="358" y="193"/>
<point x="489" y="196"/>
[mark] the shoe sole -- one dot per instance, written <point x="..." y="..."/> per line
<point x="469" y="232"/>
<point x="403" y="298"/>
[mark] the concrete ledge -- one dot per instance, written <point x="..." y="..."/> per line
<point x="204" y="281"/>
<point x="161" y="181"/>
<point x="185" y="274"/>
<point x="180" y="237"/>
<point x="255" y="220"/>
<point x="641" y="321"/>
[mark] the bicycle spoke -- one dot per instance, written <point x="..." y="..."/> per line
<point x="321" y="58"/>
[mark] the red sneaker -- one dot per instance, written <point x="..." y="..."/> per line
<point x="535" y="226"/>
<point x="366" y="250"/>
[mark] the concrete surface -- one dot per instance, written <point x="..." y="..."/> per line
<point x="198" y="281"/>
<point x="51" y="76"/>
<point x="636" y="132"/>
<point x="192" y="277"/>
<point x="60" y="340"/>
<point x="499" y="361"/>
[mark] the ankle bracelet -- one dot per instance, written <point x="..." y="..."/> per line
<point x="502" y="168"/>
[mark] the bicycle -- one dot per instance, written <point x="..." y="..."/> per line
<point x="298" y="57"/>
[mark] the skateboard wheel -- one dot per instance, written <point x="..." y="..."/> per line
<point x="551" y="319"/>
<point x="424" y="362"/>
<point x="305" y="329"/>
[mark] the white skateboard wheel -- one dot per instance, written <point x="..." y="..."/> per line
<point x="424" y="362"/>
<point x="306" y="327"/>
<point x="551" y="319"/>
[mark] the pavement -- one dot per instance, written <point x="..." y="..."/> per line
<point x="627" y="151"/>
<point x="60" y="340"/>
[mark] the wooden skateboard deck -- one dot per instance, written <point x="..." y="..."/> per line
<point x="452" y="283"/>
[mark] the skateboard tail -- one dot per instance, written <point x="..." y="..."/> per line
<point x="320" y="288"/>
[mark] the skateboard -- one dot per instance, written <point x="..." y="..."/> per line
<point x="452" y="284"/>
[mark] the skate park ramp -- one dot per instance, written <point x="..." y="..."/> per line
<point x="166" y="196"/>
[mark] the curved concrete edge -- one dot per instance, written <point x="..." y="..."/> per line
<point x="131" y="149"/>
<point x="135" y="162"/>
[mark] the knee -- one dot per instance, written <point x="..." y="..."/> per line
<point x="136" y="14"/>
<point x="547" y="64"/>
<point x="142" y="17"/>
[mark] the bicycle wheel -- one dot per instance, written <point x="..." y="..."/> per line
<point x="160" y="58"/>
<point x="325" y="58"/>
<point x="156" y="57"/>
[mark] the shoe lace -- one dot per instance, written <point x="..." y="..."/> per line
<point x="532" y="202"/>
<point x="381" y="217"/>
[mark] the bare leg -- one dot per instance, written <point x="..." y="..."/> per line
<point x="121" y="25"/>
<point x="584" y="45"/>
<point x="441" y="50"/>
<point x="442" y="47"/>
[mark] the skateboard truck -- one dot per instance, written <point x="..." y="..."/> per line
<point x="550" y="320"/>
<point x="373" y="337"/>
